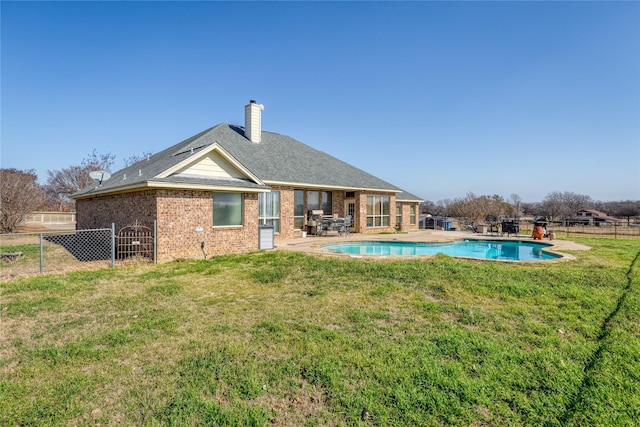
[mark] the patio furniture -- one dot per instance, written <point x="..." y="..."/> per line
<point x="346" y="225"/>
<point x="319" y="225"/>
<point x="510" y="227"/>
<point x="333" y="224"/>
<point x="315" y="223"/>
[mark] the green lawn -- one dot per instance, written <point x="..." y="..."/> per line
<point x="292" y="339"/>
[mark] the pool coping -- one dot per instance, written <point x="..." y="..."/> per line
<point x="313" y="245"/>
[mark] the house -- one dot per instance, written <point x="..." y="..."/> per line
<point x="593" y="217"/>
<point x="218" y="187"/>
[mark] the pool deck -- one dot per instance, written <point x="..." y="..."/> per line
<point x="313" y="244"/>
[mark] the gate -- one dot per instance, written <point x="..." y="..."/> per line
<point x="135" y="241"/>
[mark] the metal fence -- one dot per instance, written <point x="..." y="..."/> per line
<point x="25" y="254"/>
<point x="568" y="230"/>
<point x="565" y="229"/>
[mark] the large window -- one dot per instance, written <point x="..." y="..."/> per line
<point x="298" y="209"/>
<point x="412" y="214"/>
<point x="227" y="209"/>
<point x="398" y="213"/>
<point x="320" y="200"/>
<point x="377" y="211"/>
<point x="269" y="209"/>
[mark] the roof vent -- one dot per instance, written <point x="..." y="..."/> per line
<point x="253" y="121"/>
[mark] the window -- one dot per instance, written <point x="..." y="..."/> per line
<point x="327" y="202"/>
<point x="227" y="209"/>
<point x="398" y="213"/>
<point x="377" y="211"/>
<point x="298" y="209"/>
<point x="269" y="210"/>
<point x="320" y="200"/>
<point x="412" y="214"/>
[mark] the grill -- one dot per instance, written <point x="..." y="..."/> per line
<point x="510" y="227"/>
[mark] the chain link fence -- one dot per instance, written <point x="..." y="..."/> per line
<point x="27" y="254"/>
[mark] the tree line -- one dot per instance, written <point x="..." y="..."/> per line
<point x="21" y="194"/>
<point x="555" y="206"/>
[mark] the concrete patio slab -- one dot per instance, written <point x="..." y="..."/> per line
<point x="313" y="244"/>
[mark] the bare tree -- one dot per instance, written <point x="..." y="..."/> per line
<point x="516" y="204"/>
<point x="20" y="194"/>
<point x="476" y="209"/>
<point x="552" y="206"/>
<point x="575" y="202"/>
<point x="532" y="209"/>
<point x="136" y="158"/>
<point x="461" y="208"/>
<point x="61" y="184"/>
<point x="443" y="206"/>
<point x="438" y="209"/>
<point x="557" y="205"/>
<point x="427" y="207"/>
<point x="626" y="208"/>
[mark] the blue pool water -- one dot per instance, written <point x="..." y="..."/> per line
<point x="506" y="250"/>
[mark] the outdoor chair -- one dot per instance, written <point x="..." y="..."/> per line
<point x="346" y="226"/>
<point x="321" y="229"/>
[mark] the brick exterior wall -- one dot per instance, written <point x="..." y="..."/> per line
<point x="185" y="219"/>
<point x="180" y="214"/>
<point x="286" y="212"/>
<point x="406" y="216"/>
<point x="120" y="209"/>
<point x="338" y="204"/>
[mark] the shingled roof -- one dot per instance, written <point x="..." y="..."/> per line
<point x="277" y="159"/>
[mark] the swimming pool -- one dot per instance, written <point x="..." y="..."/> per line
<point x="505" y="250"/>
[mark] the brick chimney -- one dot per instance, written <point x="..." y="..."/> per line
<point x="253" y="121"/>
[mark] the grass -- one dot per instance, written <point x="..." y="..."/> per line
<point x="55" y="259"/>
<point x="292" y="339"/>
<point x="30" y="253"/>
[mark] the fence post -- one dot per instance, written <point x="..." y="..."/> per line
<point x="41" y="255"/>
<point x="113" y="245"/>
<point x="155" y="239"/>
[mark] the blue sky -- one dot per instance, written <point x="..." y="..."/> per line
<point x="438" y="98"/>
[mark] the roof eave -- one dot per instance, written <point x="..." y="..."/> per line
<point x="98" y="191"/>
<point x="330" y="187"/>
<point x="158" y="185"/>
<point x="205" y="187"/>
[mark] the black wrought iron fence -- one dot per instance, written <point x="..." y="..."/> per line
<point x="135" y="241"/>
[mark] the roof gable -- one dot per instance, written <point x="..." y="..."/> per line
<point x="162" y="170"/>
<point x="209" y="162"/>
<point x="212" y="165"/>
